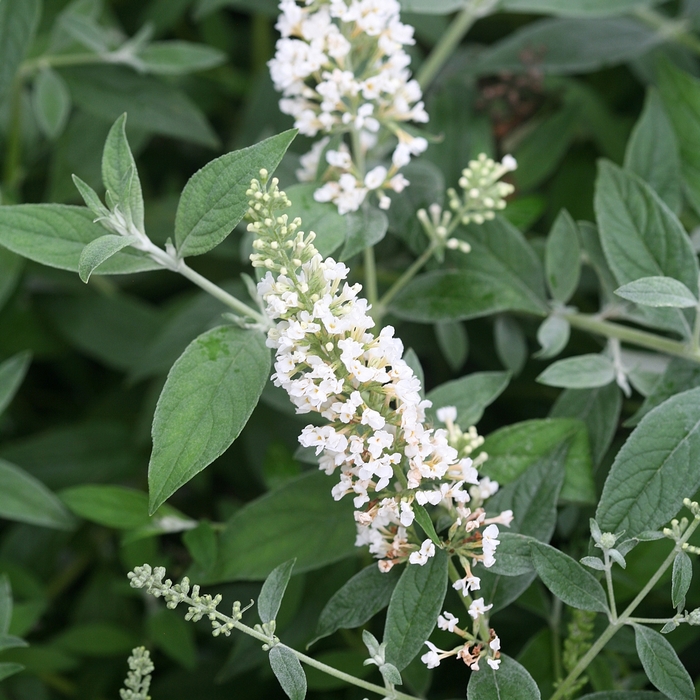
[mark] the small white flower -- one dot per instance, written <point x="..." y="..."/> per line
<point x="427" y="550"/>
<point x="446" y="414"/>
<point x="477" y="608"/>
<point x="447" y="621"/>
<point x="494" y="663"/>
<point x="432" y="658"/>
<point x="509" y="163"/>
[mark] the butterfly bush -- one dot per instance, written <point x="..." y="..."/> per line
<point x="377" y="440"/>
<point x="341" y="68"/>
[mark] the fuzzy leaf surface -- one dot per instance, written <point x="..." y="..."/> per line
<point x="273" y="589"/>
<point x="511" y="681"/>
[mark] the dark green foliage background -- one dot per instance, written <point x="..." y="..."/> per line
<point x="101" y="352"/>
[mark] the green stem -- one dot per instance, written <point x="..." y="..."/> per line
<point x="625" y="617"/>
<point x="671" y="28"/>
<point x="59" y="61"/>
<point x="649" y="620"/>
<point x="406" y="277"/>
<point x="13" y="156"/>
<point x="450" y="40"/>
<point x="611" y="590"/>
<point x="643" y="339"/>
<point x="221" y="295"/>
<point x="554" y="625"/>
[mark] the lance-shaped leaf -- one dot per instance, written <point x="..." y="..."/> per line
<point x="207" y="399"/>
<point x="581" y="372"/>
<point x="658" y="291"/>
<point x="288" y="672"/>
<point x="567" y="579"/>
<point x="101" y="249"/>
<point x="273" y="589"/>
<point x="681" y="578"/>
<point x="51" y="102"/>
<point x="553" y="335"/>
<point x="414" y="608"/>
<point x="662" y="664"/>
<point x="214" y="199"/>
<point x="25" y="499"/>
<point x="55" y="235"/>
<point x="563" y="257"/>
<point x="12" y="372"/>
<point x="655" y="469"/>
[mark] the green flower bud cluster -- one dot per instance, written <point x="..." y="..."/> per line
<point x="138" y="679"/>
<point x="483" y="195"/>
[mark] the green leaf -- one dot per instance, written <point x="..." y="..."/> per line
<point x="513" y="555"/>
<point x="12" y="373"/>
<point x="533" y="496"/>
<point x="599" y="408"/>
<point x="120" y="176"/>
<point x="432" y="7"/>
<point x="680" y="375"/>
<point x="320" y="217"/>
<point x="99" y="250"/>
<point x="55" y="235"/>
<point x="18" y="23"/>
<point x="652" y="152"/>
<point x="655" y="469"/>
<point x="624" y="695"/>
<point x="174" y="636"/>
<point x="25" y="499"/>
<point x="553" y="335"/>
<point x="11" y="266"/>
<point x="470" y="395"/>
<point x="96" y="639"/>
<point x="152" y="104"/>
<point x="5" y="604"/>
<point x="207" y="399"/>
<point x="662" y="664"/>
<point x="214" y="199"/>
<point x="426" y="523"/>
<point x="91" y="198"/>
<point x="8" y="641"/>
<point x="306" y="524"/>
<point x="454" y="343"/>
<point x="202" y="544"/>
<point x="680" y="93"/>
<point x="510" y="681"/>
<point x="580" y="372"/>
<point x="563" y="257"/>
<point x="570" y="46"/>
<point x="9" y="669"/>
<point x="414" y="607"/>
<point x="112" y="506"/>
<point x="567" y="579"/>
<point x="115" y="329"/>
<point x="642" y="237"/>
<point x="658" y="291"/>
<point x="514" y="448"/>
<point x="511" y="345"/>
<point x="366" y="228"/>
<point x="179" y="57"/>
<point x="288" y="671"/>
<point x="51" y="102"/>
<point x="273" y="589"/>
<point x="580" y="8"/>
<point x="357" y="601"/>
<point x="680" y="581"/>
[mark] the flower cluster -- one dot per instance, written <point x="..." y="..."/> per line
<point x="472" y="650"/>
<point x="341" y="68"/>
<point x="138" y="679"/>
<point x="328" y="361"/>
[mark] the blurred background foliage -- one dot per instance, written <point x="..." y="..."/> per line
<point x="100" y="352"/>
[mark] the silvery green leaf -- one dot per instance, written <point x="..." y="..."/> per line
<point x="425" y="521"/>
<point x="658" y="292"/>
<point x="454" y="343"/>
<point x="580" y="372"/>
<point x="563" y="257"/>
<point x="669" y="627"/>
<point x="596" y="532"/>
<point x="627" y="546"/>
<point x="662" y="665"/>
<point x="681" y="578"/>
<point x="617" y="558"/>
<point x="9" y="669"/>
<point x="510" y="680"/>
<point x="87" y="32"/>
<point x="593" y="563"/>
<point x="372" y="643"/>
<point x="390" y="674"/>
<point x="99" y="250"/>
<point x="511" y="346"/>
<point x="273" y="589"/>
<point x="91" y="198"/>
<point x="5" y="603"/>
<point x="655" y="468"/>
<point x="179" y="57"/>
<point x="553" y="335"/>
<point x="650" y="536"/>
<point x="365" y="228"/>
<point x="288" y="671"/>
<point x="11" y="267"/>
<point x="119" y="174"/>
<point x="51" y="102"/>
<point x="12" y="372"/>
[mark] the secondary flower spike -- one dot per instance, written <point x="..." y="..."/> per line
<point x="377" y="440"/>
